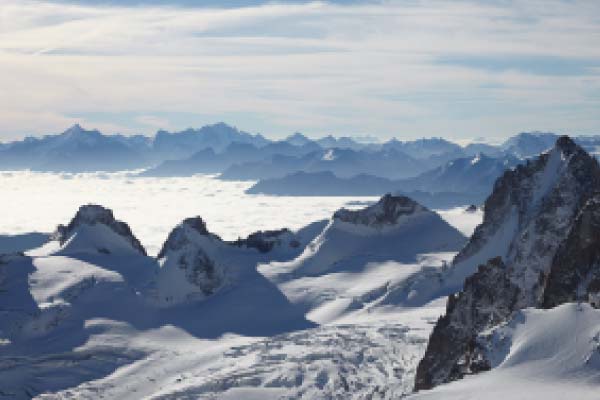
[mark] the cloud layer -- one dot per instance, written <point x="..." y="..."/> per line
<point x="395" y="68"/>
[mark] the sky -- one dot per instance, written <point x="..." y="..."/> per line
<point x="405" y="69"/>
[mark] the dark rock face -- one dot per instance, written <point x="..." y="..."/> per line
<point x="552" y="257"/>
<point x="178" y="237"/>
<point x="201" y="271"/>
<point x="516" y="188"/>
<point x="575" y="271"/>
<point x="386" y="211"/>
<point x="264" y="241"/>
<point x="488" y="298"/>
<point x="471" y="209"/>
<point x="92" y="214"/>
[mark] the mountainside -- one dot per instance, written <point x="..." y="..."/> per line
<point x="195" y="263"/>
<point x="474" y="175"/>
<point x="575" y="271"/>
<point x="458" y="182"/>
<point x="525" y="230"/>
<point x="208" y="161"/>
<point x="529" y="144"/>
<point x="537" y="354"/>
<point x="382" y="244"/>
<point x="424" y="148"/>
<point x="394" y="228"/>
<point x="324" y="183"/>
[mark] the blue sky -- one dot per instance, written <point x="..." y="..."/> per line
<point x="405" y="69"/>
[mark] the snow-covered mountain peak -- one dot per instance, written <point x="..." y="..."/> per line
<point x="537" y="246"/>
<point x="77" y="132"/>
<point x="189" y="270"/>
<point x="542" y="194"/>
<point x="189" y="231"/>
<point x="75" y="129"/>
<point x="95" y="229"/>
<point x="395" y="228"/>
<point x="387" y="211"/>
<point x="297" y="139"/>
<point x="567" y="145"/>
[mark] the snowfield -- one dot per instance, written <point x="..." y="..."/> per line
<point x="82" y="343"/>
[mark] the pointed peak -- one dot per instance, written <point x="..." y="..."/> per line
<point x="94" y="214"/>
<point x="76" y="128"/>
<point x="197" y="224"/>
<point x="188" y="231"/>
<point x="566" y="144"/>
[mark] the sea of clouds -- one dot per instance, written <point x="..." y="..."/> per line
<point x="38" y="202"/>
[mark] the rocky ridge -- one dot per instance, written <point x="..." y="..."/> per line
<point x="519" y="248"/>
<point x="387" y="211"/>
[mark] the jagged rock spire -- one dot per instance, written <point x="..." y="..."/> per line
<point x="180" y="235"/>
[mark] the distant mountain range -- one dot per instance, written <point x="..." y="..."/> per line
<point x="241" y="155"/>
<point x="462" y="181"/>
<point x="434" y="171"/>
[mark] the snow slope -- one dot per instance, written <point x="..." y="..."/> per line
<point x="540" y="354"/>
<point x="395" y="228"/>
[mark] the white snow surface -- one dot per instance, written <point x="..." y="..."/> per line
<point x="540" y="354"/>
<point x="463" y="220"/>
<point x="96" y="238"/>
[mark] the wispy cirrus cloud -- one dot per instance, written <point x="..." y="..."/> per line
<point x="394" y="68"/>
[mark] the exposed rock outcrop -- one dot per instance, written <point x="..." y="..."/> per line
<point x="95" y="215"/>
<point x="489" y="298"/>
<point x="575" y="271"/>
<point x="265" y="241"/>
<point x="386" y="211"/>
